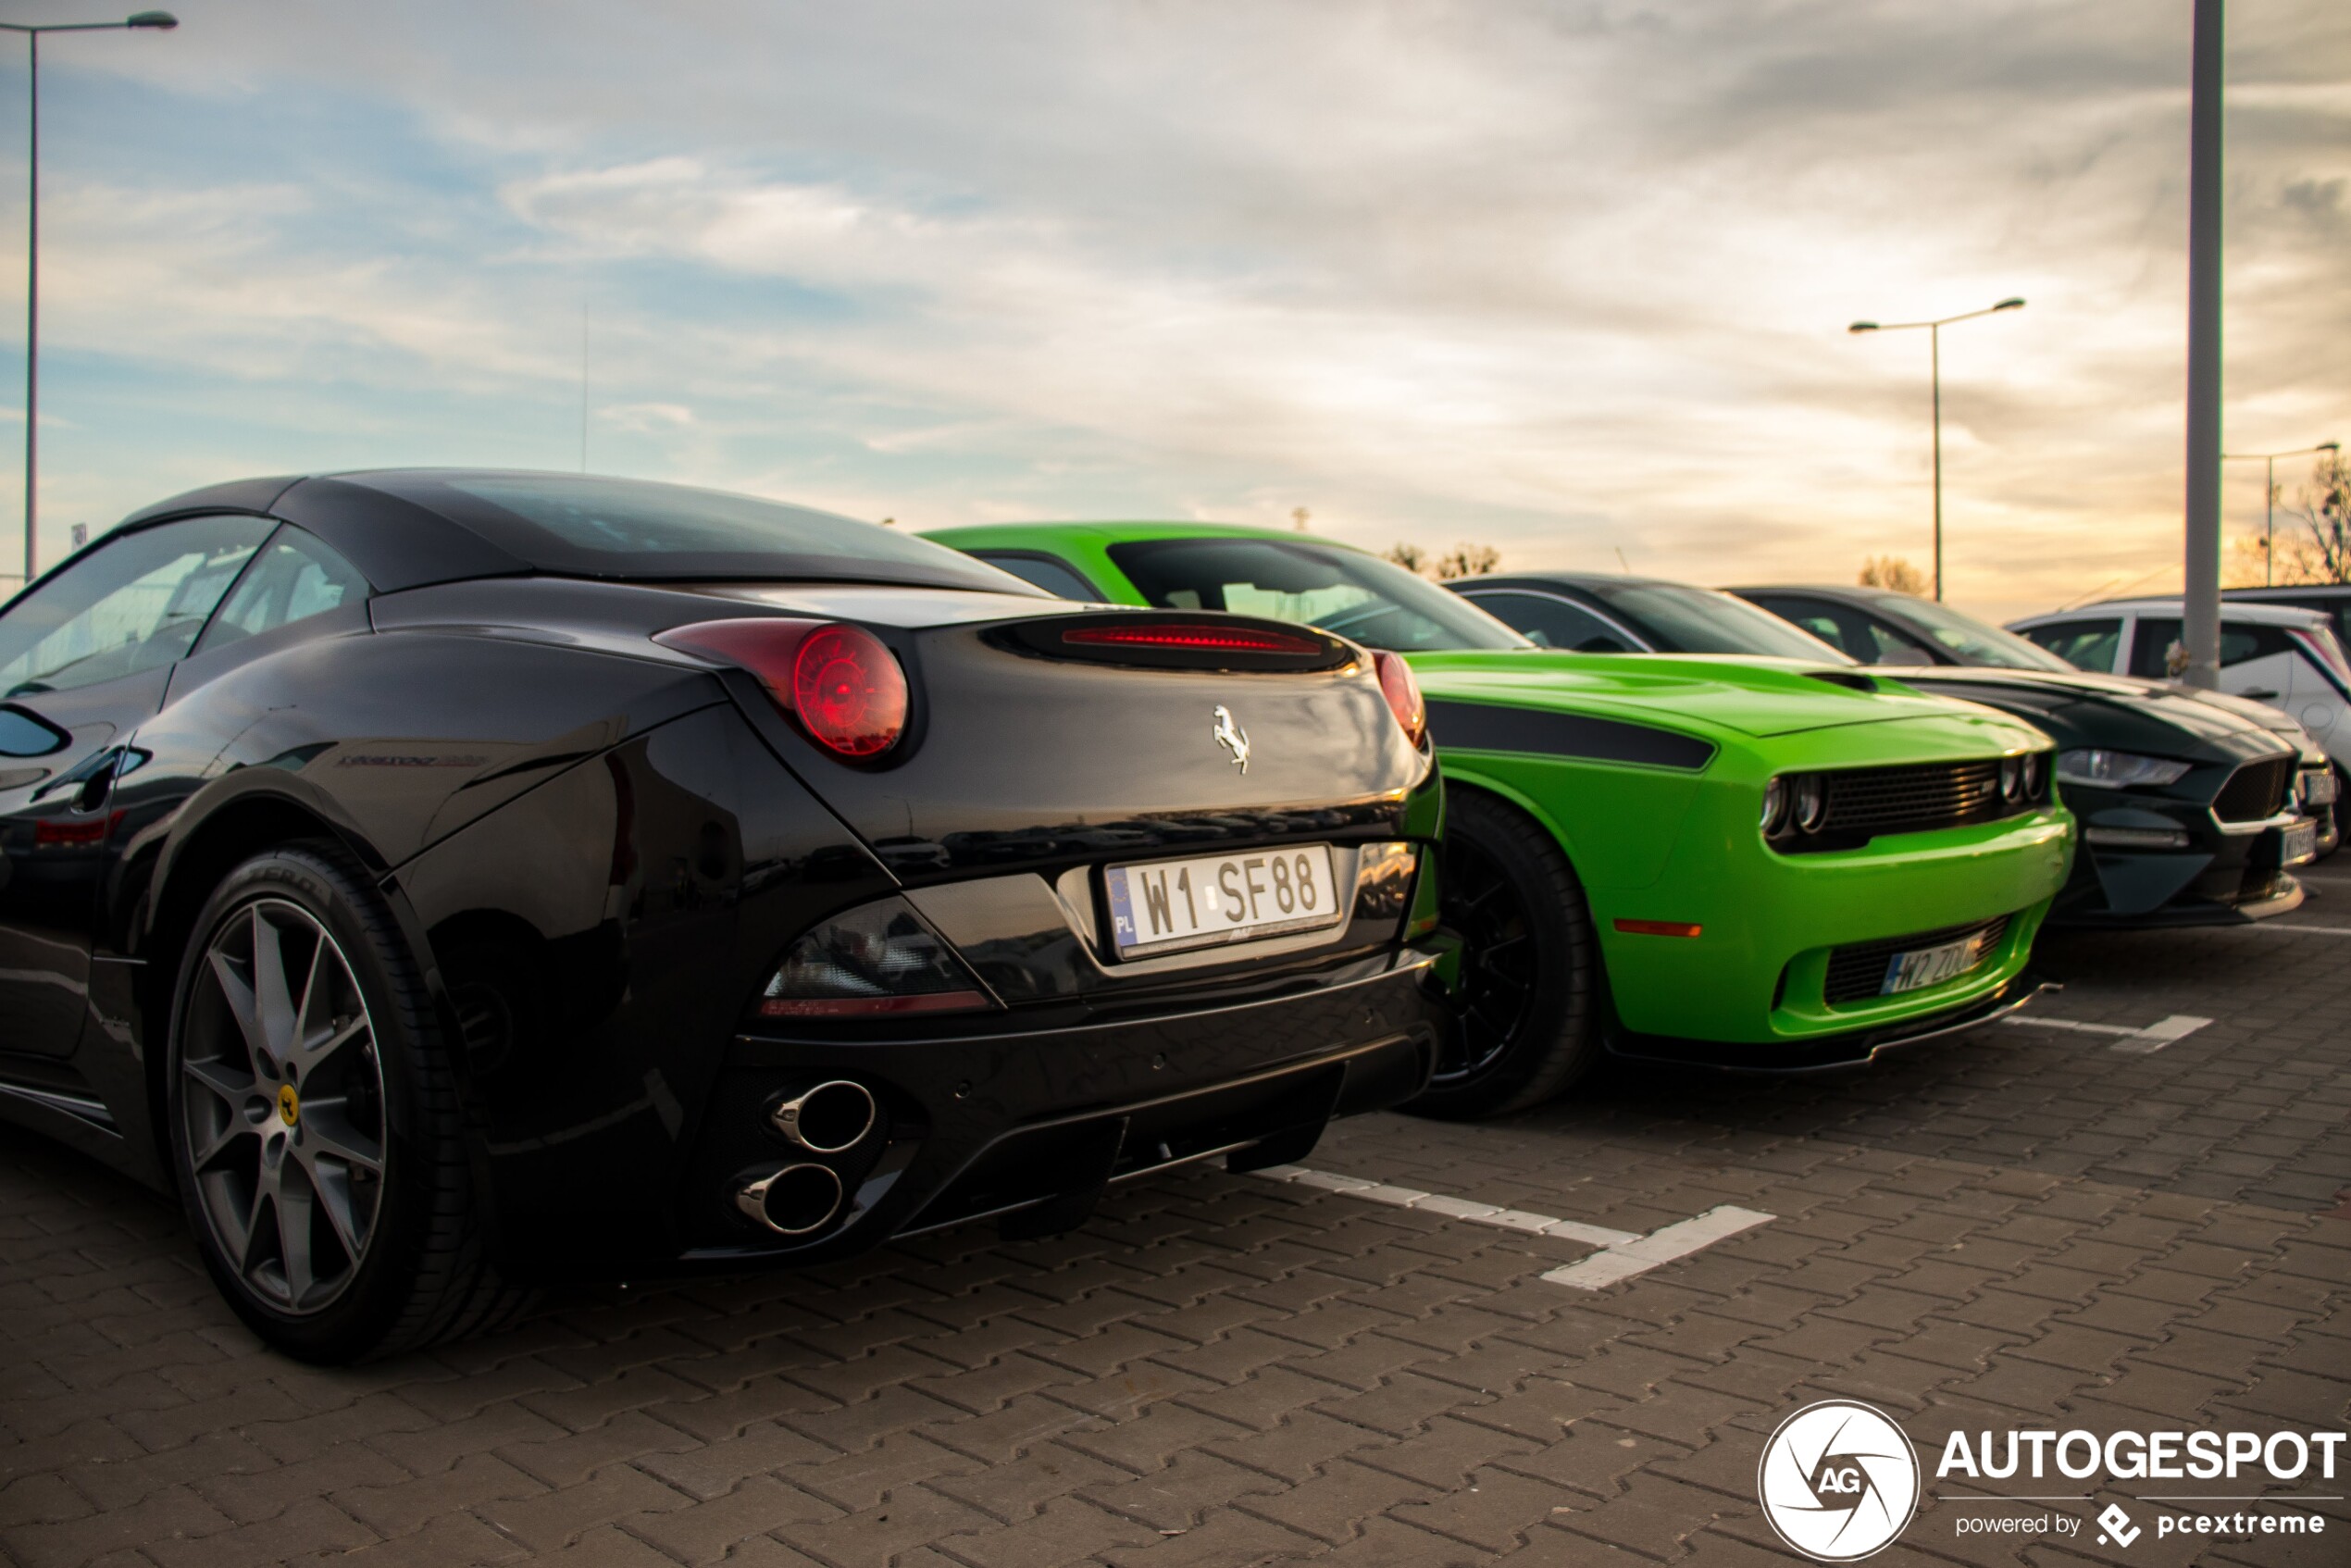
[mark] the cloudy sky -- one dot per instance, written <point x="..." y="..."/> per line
<point x="1570" y="278"/>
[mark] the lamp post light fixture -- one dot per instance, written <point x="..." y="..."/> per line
<point x="143" y="21"/>
<point x="2270" y="497"/>
<point x="1934" y="341"/>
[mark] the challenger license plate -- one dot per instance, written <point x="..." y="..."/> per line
<point x="1933" y="965"/>
<point x="2298" y="843"/>
<point x="1168" y="905"/>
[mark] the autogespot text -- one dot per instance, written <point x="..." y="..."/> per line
<point x="2244" y="1457"/>
<point x="2135" y="1456"/>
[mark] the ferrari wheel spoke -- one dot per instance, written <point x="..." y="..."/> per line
<point x="332" y="1189"/>
<point x="326" y="1134"/>
<point x="295" y="1200"/>
<point x="224" y="1082"/>
<point x="260" y="1222"/>
<point x="273" y="1003"/>
<point x="238" y="994"/>
<point x="205" y="1155"/>
<point x="332" y="1039"/>
<point x="302" y="1019"/>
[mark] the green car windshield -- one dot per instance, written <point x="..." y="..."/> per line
<point x="1968" y="640"/>
<point x="1373" y="602"/>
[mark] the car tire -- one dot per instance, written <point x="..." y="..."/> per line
<point x="1529" y="991"/>
<point x="314" y="1119"/>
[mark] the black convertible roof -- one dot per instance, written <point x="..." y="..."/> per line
<point x="407" y="527"/>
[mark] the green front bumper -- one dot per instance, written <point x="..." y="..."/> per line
<point x="1685" y="851"/>
<point x="1755" y="974"/>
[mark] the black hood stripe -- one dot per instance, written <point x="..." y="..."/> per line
<point x="1480" y="726"/>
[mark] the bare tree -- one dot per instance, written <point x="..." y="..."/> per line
<point x="1467" y="560"/>
<point x="2324" y="507"/>
<point x="1412" y="557"/>
<point x="1892" y="571"/>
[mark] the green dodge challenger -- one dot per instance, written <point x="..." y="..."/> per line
<point x="1750" y="862"/>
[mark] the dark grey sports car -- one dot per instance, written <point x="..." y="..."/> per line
<point x="2191" y="804"/>
<point x="446" y="880"/>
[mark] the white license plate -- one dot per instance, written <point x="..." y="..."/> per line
<point x="1933" y="965"/>
<point x="2318" y="786"/>
<point x="1167" y="906"/>
<point x="2298" y="843"/>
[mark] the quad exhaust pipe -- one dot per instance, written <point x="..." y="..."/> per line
<point x="795" y="1201"/>
<point x="828" y="1119"/>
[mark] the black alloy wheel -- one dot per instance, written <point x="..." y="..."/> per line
<point x="283" y="1106"/>
<point x="314" y="1119"/>
<point x="1527" y="990"/>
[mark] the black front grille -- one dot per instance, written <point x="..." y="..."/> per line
<point x="1865" y="802"/>
<point x="1858" y="972"/>
<point x="2255" y="790"/>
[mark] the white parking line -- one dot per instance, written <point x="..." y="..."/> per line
<point x="2139" y="1042"/>
<point x="2069" y="1024"/>
<point x="1679" y="1240"/>
<point x="2306" y="930"/>
<point x="1623" y="1253"/>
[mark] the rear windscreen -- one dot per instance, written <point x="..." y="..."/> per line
<point x="581" y="525"/>
<point x="1345" y="592"/>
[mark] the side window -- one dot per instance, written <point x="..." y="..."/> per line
<point x="294" y="578"/>
<point x="1888" y="645"/>
<point x="2083" y="645"/>
<point x="2240" y="643"/>
<point x="2156" y="652"/>
<point x="1811" y="615"/>
<point x="1042" y="571"/>
<point x="1554" y="623"/>
<point x="129" y="605"/>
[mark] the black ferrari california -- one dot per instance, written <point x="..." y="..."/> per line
<point x="450" y="880"/>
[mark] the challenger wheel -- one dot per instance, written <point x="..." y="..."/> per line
<point x="1528" y="988"/>
<point x="314" y="1122"/>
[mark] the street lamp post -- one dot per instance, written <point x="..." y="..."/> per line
<point x="1934" y="341"/>
<point x="2270" y="497"/>
<point x="157" y="21"/>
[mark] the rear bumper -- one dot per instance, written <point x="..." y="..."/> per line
<point x="1031" y="1127"/>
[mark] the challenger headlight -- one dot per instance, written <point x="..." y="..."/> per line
<point x="2116" y="770"/>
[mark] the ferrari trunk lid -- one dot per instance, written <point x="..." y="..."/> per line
<point x="1064" y="738"/>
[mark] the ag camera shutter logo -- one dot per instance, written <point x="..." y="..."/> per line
<point x="1838" y="1481"/>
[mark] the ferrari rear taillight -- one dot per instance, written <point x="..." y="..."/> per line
<point x="842" y="682"/>
<point x="849" y="691"/>
<point x="1403" y="693"/>
<point x="876" y="960"/>
<point x="1190" y="637"/>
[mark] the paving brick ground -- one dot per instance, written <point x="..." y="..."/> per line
<point x="2024" y="1228"/>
